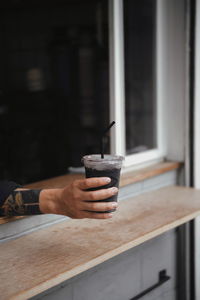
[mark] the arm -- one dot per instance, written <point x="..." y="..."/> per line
<point x="74" y="200"/>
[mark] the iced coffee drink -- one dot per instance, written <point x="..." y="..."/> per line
<point x="109" y="166"/>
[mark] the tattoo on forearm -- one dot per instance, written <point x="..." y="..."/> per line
<point x="21" y="203"/>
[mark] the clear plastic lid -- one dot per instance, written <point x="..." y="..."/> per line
<point x="94" y="161"/>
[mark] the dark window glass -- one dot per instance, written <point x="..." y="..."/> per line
<point x="53" y="85"/>
<point x="140" y="67"/>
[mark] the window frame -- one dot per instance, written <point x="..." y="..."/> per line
<point x="117" y="87"/>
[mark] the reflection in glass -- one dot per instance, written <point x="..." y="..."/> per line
<point x="53" y="85"/>
<point x="140" y="66"/>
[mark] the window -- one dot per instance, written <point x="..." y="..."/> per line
<point x="136" y="55"/>
<point x="81" y="65"/>
<point x="54" y="83"/>
<point x="140" y="75"/>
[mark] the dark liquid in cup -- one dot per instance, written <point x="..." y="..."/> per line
<point x="114" y="175"/>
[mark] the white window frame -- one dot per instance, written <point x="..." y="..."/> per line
<point x="117" y="88"/>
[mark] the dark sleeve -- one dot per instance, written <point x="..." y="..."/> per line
<point x="18" y="203"/>
<point x="6" y="188"/>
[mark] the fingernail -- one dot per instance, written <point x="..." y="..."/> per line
<point x="114" y="190"/>
<point x="110" y="215"/>
<point x="114" y="205"/>
<point x="107" y="179"/>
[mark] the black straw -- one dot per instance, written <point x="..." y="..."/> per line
<point x="103" y="138"/>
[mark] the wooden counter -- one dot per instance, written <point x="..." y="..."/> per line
<point x="43" y="259"/>
<point x="130" y="177"/>
<point x="126" y="178"/>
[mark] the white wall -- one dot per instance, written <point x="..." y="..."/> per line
<point x="174" y="75"/>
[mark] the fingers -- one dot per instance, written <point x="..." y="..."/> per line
<point x="100" y="194"/>
<point x="79" y="202"/>
<point x="87" y="183"/>
<point x="92" y="215"/>
<point x="99" y="206"/>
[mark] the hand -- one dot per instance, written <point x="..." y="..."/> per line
<point x="77" y="202"/>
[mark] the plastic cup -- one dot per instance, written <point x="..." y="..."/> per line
<point x="109" y="166"/>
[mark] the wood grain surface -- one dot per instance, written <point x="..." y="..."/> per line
<point x="43" y="259"/>
<point x="126" y="178"/>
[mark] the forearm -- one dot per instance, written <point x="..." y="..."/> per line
<point x="48" y="200"/>
<point x="21" y="202"/>
<point x="75" y="200"/>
